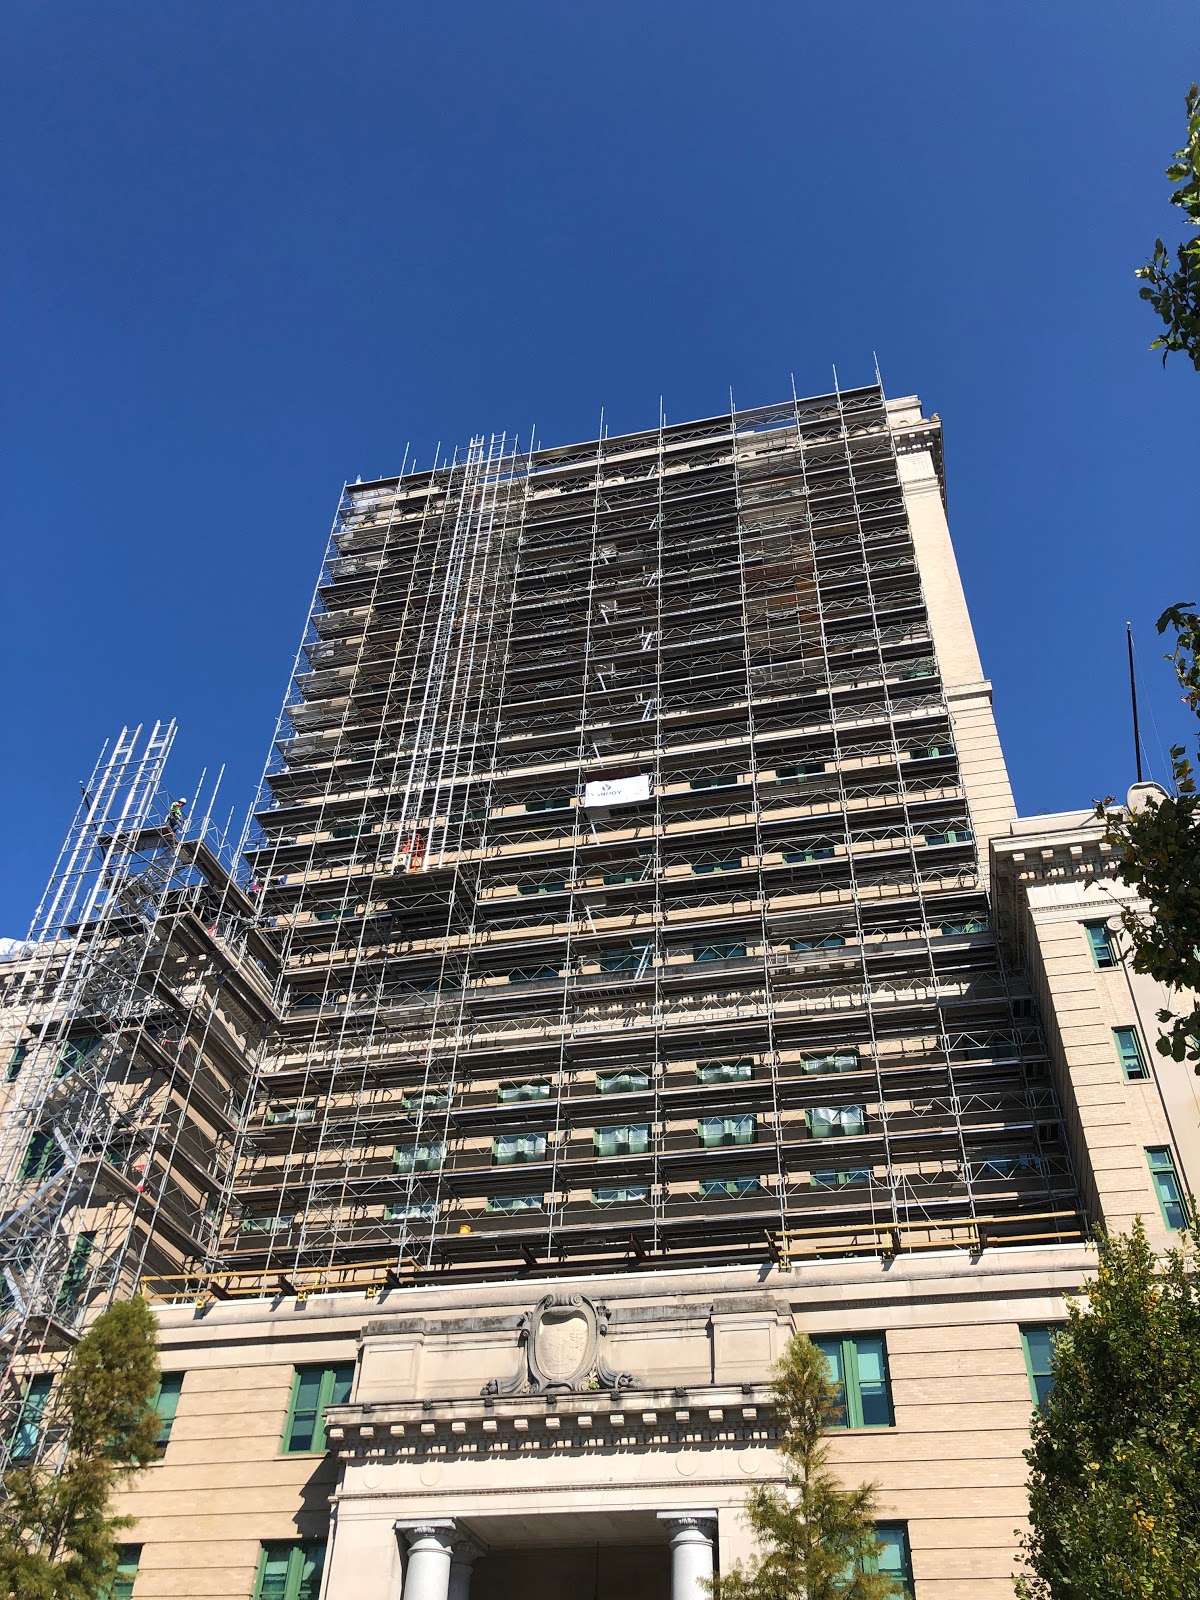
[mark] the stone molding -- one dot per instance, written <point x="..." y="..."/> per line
<point x="731" y="1414"/>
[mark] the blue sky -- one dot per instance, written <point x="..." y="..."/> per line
<point x="254" y="249"/>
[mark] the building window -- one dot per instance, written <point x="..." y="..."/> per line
<point x="419" y="1157"/>
<point x="76" y="1051"/>
<point x="411" y="1211"/>
<point x="128" y="1558"/>
<point x="165" y="1401"/>
<point x="16" y="1061"/>
<point x="1038" y="1345"/>
<point x="966" y="925"/>
<point x="729" y="1188"/>
<point x="76" y="1271"/>
<point x="732" y="864"/>
<point x="858" y="1370"/>
<point x="30" y="1417"/>
<point x="515" y="1202"/>
<point x="831" y="941"/>
<point x="289" y="1571"/>
<point x="282" y="1112"/>
<point x="1167" y="1187"/>
<point x="548" y="886"/>
<point x="630" y="959"/>
<point x="1129" y="1053"/>
<point x="314" y="1388"/>
<point x="833" y="1061"/>
<point x="633" y="1139"/>
<point x="930" y="752"/>
<point x="1101" y="944"/>
<point x="814" y="852"/>
<point x="951" y="836"/>
<point x="43" y="1156"/>
<point x="625" y="875"/>
<point x="836" y="1122"/>
<point x="739" y="1071"/>
<point x="829" y="1179"/>
<point x="630" y="1194"/>
<point x="426" y="1100"/>
<point x="533" y="974"/>
<point x="719" y="950"/>
<point x="629" y="1081"/>
<point x="714" y="780"/>
<point x="804" y="769"/>
<point x="516" y="1149"/>
<point x="715" y="1131"/>
<point x="531" y="1089"/>
<point x="549" y="802"/>
<point x="266" y="1222"/>
<point x="894" y="1556"/>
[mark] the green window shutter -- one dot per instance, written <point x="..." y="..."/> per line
<point x="513" y="1149"/>
<point x="1129" y="1053"/>
<point x="515" y="1202"/>
<point x="1167" y="1187"/>
<point x="738" y="1071"/>
<point x="729" y="1188"/>
<point x="128" y="1560"/>
<point x="43" y="1156"/>
<point x="28" y="1427"/>
<point x="533" y="1089"/>
<point x="289" y="1571"/>
<point x="75" y="1051"/>
<point x="1100" y="942"/>
<point x="834" y="1061"/>
<point x="314" y="1388"/>
<point x="76" y="1271"/>
<point x="16" y="1061"/>
<point x="166" y="1403"/>
<point x="836" y="1122"/>
<point x="630" y="1081"/>
<point x="834" y="1179"/>
<point x="630" y="1139"/>
<point x="636" y="1194"/>
<point x="1038" y="1346"/>
<point x="858" y="1370"/>
<point x="713" y="1131"/>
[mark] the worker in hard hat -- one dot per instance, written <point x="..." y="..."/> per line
<point x="175" y="814"/>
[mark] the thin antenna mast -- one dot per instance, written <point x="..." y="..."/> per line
<point x="1137" y="738"/>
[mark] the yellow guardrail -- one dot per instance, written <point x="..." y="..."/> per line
<point x="892" y="1238"/>
<point x="202" y="1288"/>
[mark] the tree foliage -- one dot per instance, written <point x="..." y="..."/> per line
<point x="1175" y="292"/>
<point x="1160" y="858"/>
<point x="1114" y="1492"/>
<point x="57" y="1534"/>
<point x="818" y="1539"/>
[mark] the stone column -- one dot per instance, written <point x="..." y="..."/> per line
<point x="463" y="1553"/>
<point x="427" y="1572"/>
<point x="692" y="1534"/>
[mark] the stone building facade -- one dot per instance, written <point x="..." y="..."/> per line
<point x="638" y="960"/>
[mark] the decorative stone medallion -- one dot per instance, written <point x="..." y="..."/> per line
<point x="561" y="1339"/>
<point x="561" y="1343"/>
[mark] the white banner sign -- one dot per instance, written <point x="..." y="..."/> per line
<point x="617" y="791"/>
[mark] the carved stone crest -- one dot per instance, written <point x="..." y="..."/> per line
<point x="561" y="1340"/>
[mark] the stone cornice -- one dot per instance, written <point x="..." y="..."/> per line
<point x="734" y="1414"/>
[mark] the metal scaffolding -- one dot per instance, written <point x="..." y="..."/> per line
<point x="624" y="884"/>
<point x="135" y="1004"/>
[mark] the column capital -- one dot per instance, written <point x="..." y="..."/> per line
<point x="432" y="1533"/>
<point x="466" y="1548"/>
<point x="682" y="1521"/>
